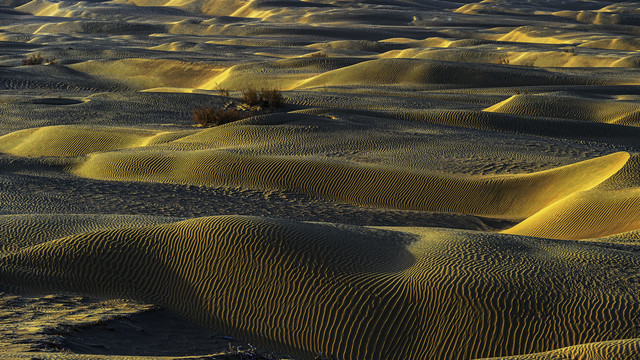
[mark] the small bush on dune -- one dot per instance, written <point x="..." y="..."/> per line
<point x="206" y="116"/>
<point x="33" y="59"/>
<point x="37" y="59"/>
<point x="271" y="98"/>
<point x="250" y="97"/>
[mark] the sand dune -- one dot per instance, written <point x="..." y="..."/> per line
<point x="509" y="196"/>
<point x="22" y="231"/>
<point x="417" y="72"/>
<point x="165" y="72"/>
<point x="621" y="349"/>
<point x="73" y="141"/>
<point x="498" y="196"/>
<point x="444" y="180"/>
<point x="346" y="280"/>
<point x="571" y="107"/>
<point x="584" y="215"/>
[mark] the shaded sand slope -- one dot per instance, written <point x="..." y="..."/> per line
<point x="354" y="293"/>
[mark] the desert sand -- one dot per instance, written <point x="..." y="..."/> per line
<point x="443" y="180"/>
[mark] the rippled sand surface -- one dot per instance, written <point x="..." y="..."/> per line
<point x="444" y="180"/>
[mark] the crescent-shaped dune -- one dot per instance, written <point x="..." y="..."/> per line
<point x="509" y="196"/>
<point x="571" y="107"/>
<point x="583" y="215"/>
<point x="351" y="292"/>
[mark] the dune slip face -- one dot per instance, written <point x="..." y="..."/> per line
<point x="322" y="179"/>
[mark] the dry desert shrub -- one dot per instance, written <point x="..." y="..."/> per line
<point x="267" y="97"/>
<point x="207" y="116"/>
<point x="319" y="55"/>
<point x="33" y="59"/>
<point x="223" y="92"/>
<point x="250" y="97"/>
<point x="272" y="98"/>
<point x="37" y="59"/>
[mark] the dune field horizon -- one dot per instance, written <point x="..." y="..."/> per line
<point x="319" y="179"/>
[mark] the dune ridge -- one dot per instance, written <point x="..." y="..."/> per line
<point x="320" y="288"/>
<point x="421" y="72"/>
<point x="511" y="196"/>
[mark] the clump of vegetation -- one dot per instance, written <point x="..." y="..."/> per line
<point x="251" y="97"/>
<point x="504" y="61"/>
<point x="207" y="116"/>
<point x="271" y="98"/>
<point x="253" y="101"/>
<point x="37" y="59"/>
<point x="267" y="97"/>
<point x="319" y="55"/>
